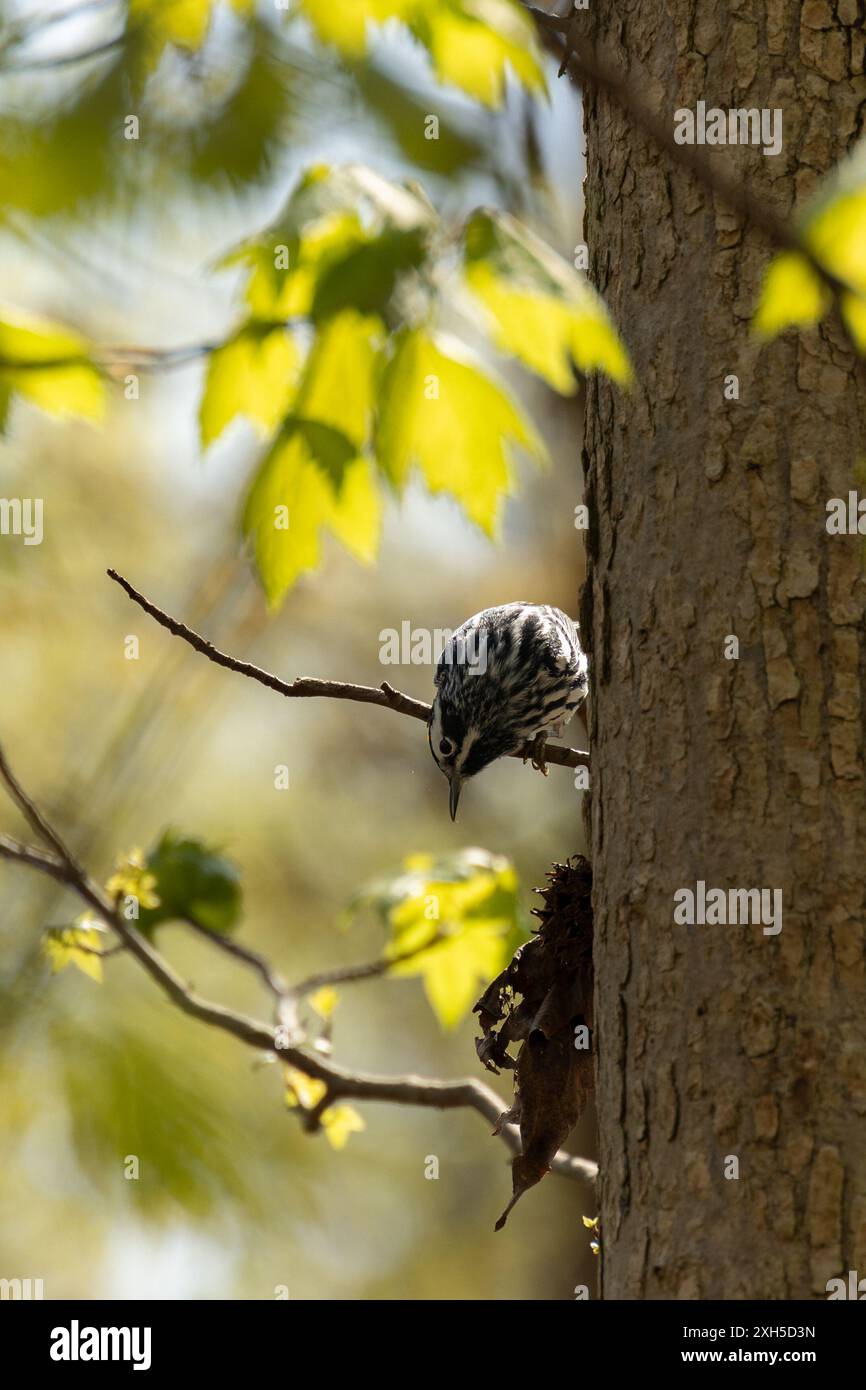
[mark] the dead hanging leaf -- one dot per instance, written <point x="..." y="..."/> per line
<point x="541" y="1000"/>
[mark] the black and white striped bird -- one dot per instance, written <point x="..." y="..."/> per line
<point x="507" y="677"/>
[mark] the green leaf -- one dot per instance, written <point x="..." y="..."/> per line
<point x="340" y="1122"/>
<point x="792" y="293"/>
<point x="193" y="882"/>
<point x="832" y="230"/>
<point x="222" y="121"/>
<point x="338" y="382"/>
<point x="79" y="945"/>
<point x="62" y="159"/>
<point x="50" y="366"/>
<point x="239" y="140"/>
<point x="345" y="238"/>
<point x="315" y="477"/>
<point x="439" y="411"/>
<point x="253" y="374"/>
<point x="455" y="922"/>
<point x="183" y="23"/>
<point x="471" y="43"/>
<point x="405" y="117"/>
<point x="344" y="23"/>
<point x="312" y="480"/>
<point x="543" y="312"/>
<point x="324" y="1001"/>
<point x="365" y="278"/>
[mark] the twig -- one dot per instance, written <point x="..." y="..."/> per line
<point x="401" y="1090"/>
<point x="32" y="857"/>
<point x="272" y="979"/>
<point x="111" y="360"/>
<point x="33" y="815"/>
<point x="309" y="687"/>
<point x="350" y="974"/>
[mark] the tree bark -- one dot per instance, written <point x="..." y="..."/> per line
<point x="707" y="519"/>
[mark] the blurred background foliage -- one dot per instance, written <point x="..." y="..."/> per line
<point x="121" y="240"/>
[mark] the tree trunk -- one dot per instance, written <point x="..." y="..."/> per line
<point x="707" y="520"/>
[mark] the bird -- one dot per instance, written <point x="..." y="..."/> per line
<point x="509" y="676"/>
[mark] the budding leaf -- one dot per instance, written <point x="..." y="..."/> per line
<point x="78" y="945"/>
<point x="324" y="1001"/>
<point x="338" y="1122"/>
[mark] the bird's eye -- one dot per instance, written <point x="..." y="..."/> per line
<point x="446" y="746"/>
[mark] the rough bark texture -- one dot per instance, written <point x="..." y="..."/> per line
<point x="708" y="519"/>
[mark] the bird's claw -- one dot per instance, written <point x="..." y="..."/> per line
<point x="538" y="754"/>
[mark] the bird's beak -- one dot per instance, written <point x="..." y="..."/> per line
<point x="454" y="796"/>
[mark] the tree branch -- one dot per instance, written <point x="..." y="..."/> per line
<point x="306" y="687"/>
<point x="351" y="974"/>
<point x="257" y="962"/>
<point x="340" y="1082"/>
<point x="581" y="61"/>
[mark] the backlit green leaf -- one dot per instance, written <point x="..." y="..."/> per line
<point x="406" y="115"/>
<point x="832" y="229"/>
<point x="253" y="374"/>
<point x="440" y="411"/>
<point x="471" y="43"/>
<point x="792" y="293"/>
<point x="184" y="23"/>
<point x="344" y="239"/>
<point x="312" y="480"/>
<point x="543" y="312"/>
<point x="50" y="366"/>
<point x="338" y="382"/>
<point x="340" y="1122"/>
<point x="455" y="922"/>
<point x="344" y="23"/>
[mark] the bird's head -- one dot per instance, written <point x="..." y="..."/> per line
<point x="460" y="745"/>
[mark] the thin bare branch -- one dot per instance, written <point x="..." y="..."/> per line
<point x="350" y="974"/>
<point x="306" y="687"/>
<point x="34" y="858"/>
<point x="33" y="815"/>
<point x="257" y="962"/>
<point x="340" y="1082"/>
